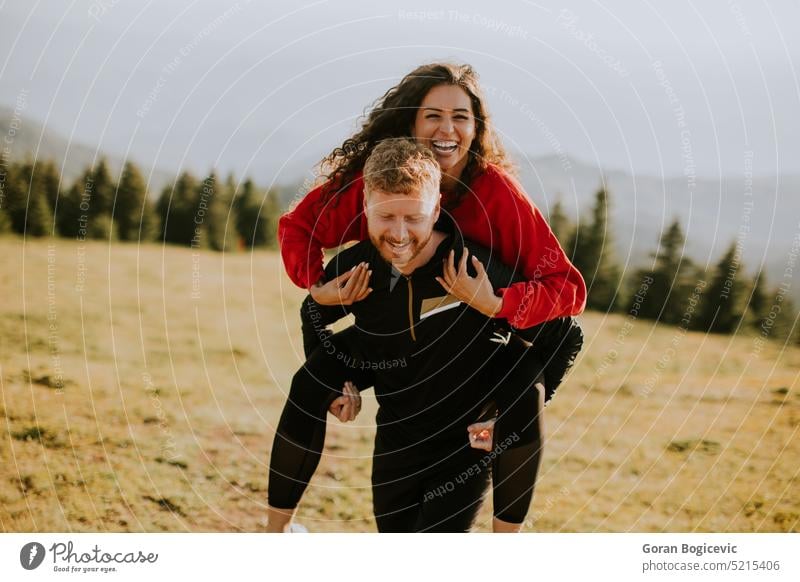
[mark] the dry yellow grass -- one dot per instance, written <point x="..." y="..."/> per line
<point x="139" y="397"/>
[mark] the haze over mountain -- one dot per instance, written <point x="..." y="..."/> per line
<point x="260" y="88"/>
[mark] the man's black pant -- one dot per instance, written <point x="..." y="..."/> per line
<point x="437" y="491"/>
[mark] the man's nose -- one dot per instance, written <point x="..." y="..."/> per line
<point x="399" y="231"/>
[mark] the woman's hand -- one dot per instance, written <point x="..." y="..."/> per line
<point x="477" y="292"/>
<point x="345" y="289"/>
<point x="481" y="435"/>
<point x="347" y="406"/>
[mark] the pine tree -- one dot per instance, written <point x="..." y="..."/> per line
<point x="231" y="188"/>
<point x="5" y="220"/>
<point x="72" y="216"/>
<point x="233" y="194"/>
<point x="662" y="292"/>
<point x="40" y="218"/>
<point x="236" y="193"/>
<point x="214" y="209"/>
<point x="14" y="193"/>
<point x="176" y="209"/>
<point x="5" y="217"/>
<point x="720" y="309"/>
<point x="593" y="255"/>
<point x="94" y="193"/>
<point x="758" y="306"/>
<point x="272" y="213"/>
<point x="102" y="191"/>
<point x="50" y="181"/>
<point x="560" y="224"/>
<point x="249" y="223"/>
<point x="148" y="229"/>
<point x="27" y="205"/>
<point x="258" y="216"/>
<point x="133" y="210"/>
<point x="102" y="228"/>
<point x="779" y="317"/>
<point x="784" y="327"/>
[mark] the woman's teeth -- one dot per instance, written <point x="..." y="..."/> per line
<point x="445" y="147"/>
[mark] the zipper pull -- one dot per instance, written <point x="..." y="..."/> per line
<point x="411" y="308"/>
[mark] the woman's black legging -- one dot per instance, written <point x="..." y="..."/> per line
<point x="300" y="436"/>
<point x="407" y="502"/>
<point x="519" y="430"/>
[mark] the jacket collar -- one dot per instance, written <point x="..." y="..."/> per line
<point x="453" y="241"/>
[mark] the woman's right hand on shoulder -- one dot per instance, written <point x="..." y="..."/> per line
<point x="345" y="289"/>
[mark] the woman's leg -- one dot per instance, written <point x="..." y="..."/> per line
<point x="437" y="496"/>
<point x="453" y="496"/>
<point x="300" y="434"/>
<point x="519" y="431"/>
<point x="447" y="496"/>
<point x="395" y="500"/>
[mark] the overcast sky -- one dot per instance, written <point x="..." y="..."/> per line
<point x="265" y="88"/>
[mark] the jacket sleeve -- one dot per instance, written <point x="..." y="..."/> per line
<point x="315" y="318"/>
<point x="553" y="287"/>
<point x="315" y="224"/>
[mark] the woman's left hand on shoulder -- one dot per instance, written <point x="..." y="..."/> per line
<point x="477" y="292"/>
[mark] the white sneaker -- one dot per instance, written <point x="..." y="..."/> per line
<point x="295" y="528"/>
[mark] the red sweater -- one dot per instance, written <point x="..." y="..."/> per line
<point x="495" y="213"/>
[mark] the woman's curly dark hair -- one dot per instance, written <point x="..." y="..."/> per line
<point x="394" y="114"/>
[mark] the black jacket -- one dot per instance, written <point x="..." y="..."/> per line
<point x="406" y="345"/>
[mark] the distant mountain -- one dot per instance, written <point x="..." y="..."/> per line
<point x="72" y="158"/>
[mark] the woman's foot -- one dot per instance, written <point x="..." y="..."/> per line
<point x="278" y="520"/>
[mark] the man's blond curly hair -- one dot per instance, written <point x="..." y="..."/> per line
<point x="401" y="166"/>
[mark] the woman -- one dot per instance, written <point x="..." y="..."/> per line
<point x="441" y="107"/>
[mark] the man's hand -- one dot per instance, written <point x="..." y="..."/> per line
<point x="481" y="435"/>
<point x="347" y="406"/>
<point x="477" y="292"/>
<point x="345" y="289"/>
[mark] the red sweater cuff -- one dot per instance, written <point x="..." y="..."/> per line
<point x="509" y="308"/>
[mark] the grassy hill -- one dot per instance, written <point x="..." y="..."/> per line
<point x="140" y="387"/>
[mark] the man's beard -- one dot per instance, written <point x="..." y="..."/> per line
<point x="385" y="249"/>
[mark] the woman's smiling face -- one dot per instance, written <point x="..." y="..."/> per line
<point x="445" y="124"/>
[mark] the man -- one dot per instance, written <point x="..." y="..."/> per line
<point x="437" y="364"/>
